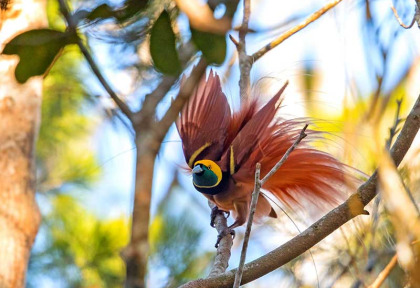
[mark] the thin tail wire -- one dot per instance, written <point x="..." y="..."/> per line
<point x="297" y="228"/>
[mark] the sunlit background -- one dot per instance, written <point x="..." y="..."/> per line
<point x="336" y="67"/>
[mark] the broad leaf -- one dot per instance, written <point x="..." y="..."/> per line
<point x="131" y="8"/>
<point x="103" y="11"/>
<point x="162" y="46"/>
<point x="213" y="46"/>
<point x="36" y="50"/>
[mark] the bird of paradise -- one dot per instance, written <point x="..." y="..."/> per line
<point x="222" y="148"/>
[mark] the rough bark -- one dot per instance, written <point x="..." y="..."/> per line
<point x="20" y="107"/>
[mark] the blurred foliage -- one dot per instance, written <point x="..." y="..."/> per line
<point x="80" y="250"/>
<point x="174" y="241"/>
<point x="63" y="154"/>
<point x="128" y="9"/>
<point x="75" y="247"/>
<point x="350" y="127"/>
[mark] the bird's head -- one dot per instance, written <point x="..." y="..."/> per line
<point x="206" y="174"/>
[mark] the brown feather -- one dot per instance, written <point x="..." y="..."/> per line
<point x="247" y="138"/>
<point x="205" y="120"/>
<point x="307" y="174"/>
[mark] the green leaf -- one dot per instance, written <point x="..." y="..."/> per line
<point x="130" y="9"/>
<point x="212" y="45"/>
<point x="36" y="50"/>
<point x="162" y="46"/>
<point x="103" y="11"/>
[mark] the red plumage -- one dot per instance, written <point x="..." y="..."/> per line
<point x="235" y="142"/>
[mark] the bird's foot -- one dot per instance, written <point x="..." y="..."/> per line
<point x="224" y="233"/>
<point x="214" y="212"/>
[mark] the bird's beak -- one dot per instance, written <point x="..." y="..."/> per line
<point x="197" y="169"/>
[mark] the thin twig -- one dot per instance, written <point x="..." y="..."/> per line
<point x="353" y="207"/>
<point x="255" y="194"/>
<point x="394" y="129"/>
<point x="245" y="20"/>
<point x="245" y="63"/>
<point x="399" y="19"/>
<point x="384" y="273"/>
<point x="95" y="69"/>
<point x="234" y="41"/>
<point x="285" y="156"/>
<point x="257" y="55"/>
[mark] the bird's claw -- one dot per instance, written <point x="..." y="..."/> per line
<point x="213" y="214"/>
<point x="214" y="211"/>
<point x="224" y="233"/>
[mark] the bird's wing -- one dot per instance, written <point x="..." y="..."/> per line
<point x="204" y="122"/>
<point x="248" y="138"/>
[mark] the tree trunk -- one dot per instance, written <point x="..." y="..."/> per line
<point x="137" y="252"/>
<point x="20" y="107"/>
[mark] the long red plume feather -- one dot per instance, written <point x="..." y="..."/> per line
<point x="238" y="141"/>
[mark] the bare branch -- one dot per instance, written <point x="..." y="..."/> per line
<point x="417" y="13"/>
<point x="146" y="115"/>
<point x="245" y="63"/>
<point x="401" y="145"/>
<point x="285" y="156"/>
<point x="353" y="207"/>
<point x="257" y="55"/>
<point x="148" y="108"/>
<point x="255" y="194"/>
<point x="161" y="128"/>
<point x="221" y="261"/>
<point x="95" y="69"/>
<point x="245" y="20"/>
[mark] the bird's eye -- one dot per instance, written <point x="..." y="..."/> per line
<point x="209" y="167"/>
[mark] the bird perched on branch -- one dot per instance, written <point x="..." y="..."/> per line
<point x="222" y="147"/>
